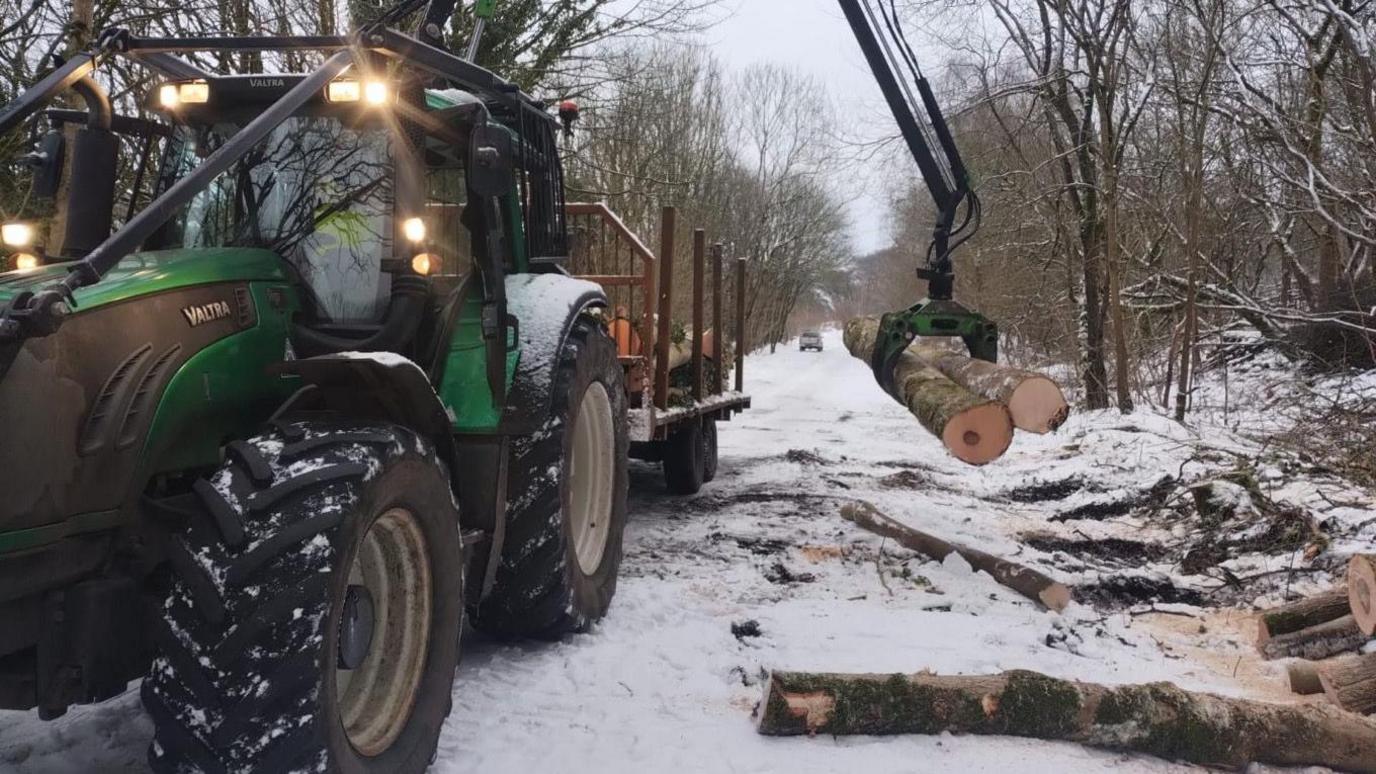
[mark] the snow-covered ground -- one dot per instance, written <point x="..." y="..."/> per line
<point x="759" y="572"/>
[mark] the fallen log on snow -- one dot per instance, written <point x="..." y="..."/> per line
<point x="1024" y="580"/>
<point x="1158" y="719"/>
<point x="1351" y="683"/>
<point x="1301" y="614"/>
<point x="1034" y="401"/>
<point x="1316" y="642"/>
<point x="1361" y="591"/>
<point x="975" y="429"/>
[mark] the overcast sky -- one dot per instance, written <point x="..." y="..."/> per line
<point x="812" y="36"/>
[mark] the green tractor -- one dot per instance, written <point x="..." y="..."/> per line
<point x="324" y="397"/>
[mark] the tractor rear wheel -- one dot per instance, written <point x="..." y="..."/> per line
<point x="566" y="504"/>
<point x="685" y="459"/>
<point x="314" y="615"/>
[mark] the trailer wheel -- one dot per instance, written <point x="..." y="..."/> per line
<point x="314" y="615"/>
<point x="685" y="459"/>
<point x="566" y="503"/>
<point x="709" y="439"/>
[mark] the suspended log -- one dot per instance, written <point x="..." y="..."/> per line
<point x="1361" y="591"/>
<point x="1351" y="683"/>
<point x="1157" y="719"/>
<point x="1301" y="614"/>
<point x="976" y="430"/>
<point x="1034" y="401"/>
<point x="1316" y="642"/>
<point x="1024" y="580"/>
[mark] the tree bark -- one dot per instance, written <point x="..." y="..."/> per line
<point x="1301" y="614"/>
<point x="1157" y="719"/>
<point x="1361" y="591"/>
<point x="1034" y="401"/>
<point x="1316" y="642"/>
<point x="1024" y="580"/>
<point x="1351" y="684"/>
<point x="976" y="430"/>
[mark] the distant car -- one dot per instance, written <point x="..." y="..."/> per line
<point x="810" y="340"/>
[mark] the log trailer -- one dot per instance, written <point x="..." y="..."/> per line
<point x="329" y="392"/>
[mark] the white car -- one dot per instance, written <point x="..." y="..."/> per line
<point x="810" y="340"/>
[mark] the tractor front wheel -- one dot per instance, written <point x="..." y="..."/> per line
<point x="314" y="614"/>
<point x="566" y="505"/>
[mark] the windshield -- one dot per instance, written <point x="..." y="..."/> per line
<point x="315" y="191"/>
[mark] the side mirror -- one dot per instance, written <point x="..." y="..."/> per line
<point x="46" y="161"/>
<point x="489" y="161"/>
<point x="86" y="195"/>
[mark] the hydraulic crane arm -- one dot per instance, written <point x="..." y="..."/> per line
<point x="894" y="64"/>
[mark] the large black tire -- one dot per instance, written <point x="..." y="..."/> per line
<point x="709" y="441"/>
<point x="685" y="459"/>
<point x="540" y="589"/>
<point x="250" y="634"/>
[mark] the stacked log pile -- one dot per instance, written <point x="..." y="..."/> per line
<point x="1326" y="630"/>
<point x="973" y="406"/>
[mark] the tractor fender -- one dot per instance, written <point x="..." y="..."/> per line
<point x="545" y="307"/>
<point x="376" y="386"/>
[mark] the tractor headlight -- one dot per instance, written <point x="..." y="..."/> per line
<point x="413" y="229"/>
<point x="425" y="263"/>
<point x="368" y="92"/>
<point x="16" y="234"/>
<point x="25" y="261"/>
<point x="172" y="95"/>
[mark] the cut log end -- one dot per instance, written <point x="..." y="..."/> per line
<point x="978" y="435"/>
<point x="1037" y="405"/>
<point x="1056" y="597"/>
<point x="1304" y="678"/>
<point x="1361" y="591"/>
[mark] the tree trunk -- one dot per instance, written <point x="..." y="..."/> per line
<point x="1024" y="580"/>
<point x="1301" y="614"/>
<point x="1034" y="401"/>
<point x="1157" y="719"/>
<point x="1316" y="642"/>
<point x="1351" y="684"/>
<point x="976" y="430"/>
<point x="1361" y="591"/>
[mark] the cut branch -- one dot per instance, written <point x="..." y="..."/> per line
<point x="1158" y="719"/>
<point x="1351" y="683"/>
<point x="1316" y="642"/>
<point x="1301" y="614"/>
<point x="1024" y="580"/>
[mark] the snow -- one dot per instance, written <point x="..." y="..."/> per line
<point x="387" y="359"/>
<point x="663" y="683"/>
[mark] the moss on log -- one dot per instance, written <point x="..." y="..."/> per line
<point x="1158" y="719"/>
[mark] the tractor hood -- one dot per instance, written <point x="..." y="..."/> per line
<point x="143" y="274"/>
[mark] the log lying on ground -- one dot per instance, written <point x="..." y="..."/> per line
<point x="1158" y="719"/>
<point x="1361" y="591"/>
<point x="1035" y="403"/>
<point x="1301" y="614"/>
<point x="1316" y="642"/>
<point x="1351" y="683"/>
<point x="1024" y="580"/>
<point x="975" y="429"/>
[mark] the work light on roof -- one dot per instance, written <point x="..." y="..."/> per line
<point x="173" y="95"/>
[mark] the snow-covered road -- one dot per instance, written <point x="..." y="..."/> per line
<point x="664" y="685"/>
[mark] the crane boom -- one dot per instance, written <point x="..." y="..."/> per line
<point x="894" y="64"/>
<point x="924" y="129"/>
